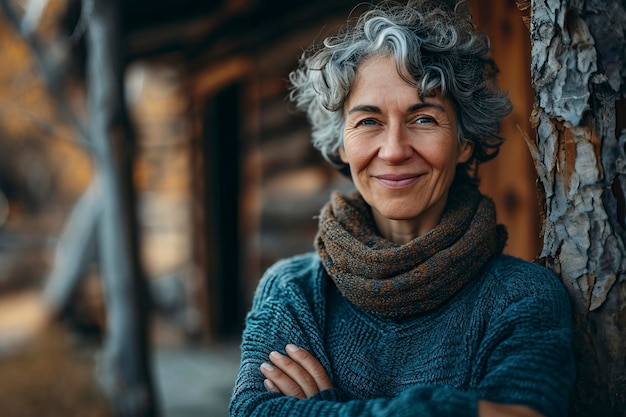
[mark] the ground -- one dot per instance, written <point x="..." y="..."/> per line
<point x="47" y="370"/>
<point x="48" y="376"/>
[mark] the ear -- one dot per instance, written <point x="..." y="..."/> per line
<point x="466" y="149"/>
<point x="342" y="155"/>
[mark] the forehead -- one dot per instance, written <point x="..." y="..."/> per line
<point x="376" y="70"/>
<point x="377" y="81"/>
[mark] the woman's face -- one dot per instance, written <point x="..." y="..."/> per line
<point x="402" y="151"/>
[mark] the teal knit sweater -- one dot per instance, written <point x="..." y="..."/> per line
<point x="505" y="337"/>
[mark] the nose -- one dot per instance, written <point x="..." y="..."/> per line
<point x="395" y="147"/>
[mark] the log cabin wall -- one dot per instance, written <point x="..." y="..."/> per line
<point x="283" y="181"/>
<point x="510" y="178"/>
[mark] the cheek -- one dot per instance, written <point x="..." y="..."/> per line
<point x="438" y="157"/>
<point x="353" y="153"/>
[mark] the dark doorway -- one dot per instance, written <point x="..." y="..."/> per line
<point x="222" y="138"/>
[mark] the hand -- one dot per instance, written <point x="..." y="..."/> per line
<point x="489" y="409"/>
<point x="297" y="375"/>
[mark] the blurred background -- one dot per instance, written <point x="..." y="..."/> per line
<point x="222" y="182"/>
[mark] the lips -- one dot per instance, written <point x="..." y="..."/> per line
<point x="397" y="180"/>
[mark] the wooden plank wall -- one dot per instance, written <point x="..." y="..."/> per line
<point x="510" y="178"/>
<point x="293" y="179"/>
<point x="283" y="180"/>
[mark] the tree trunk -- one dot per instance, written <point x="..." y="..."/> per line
<point x="124" y="368"/>
<point x="578" y="74"/>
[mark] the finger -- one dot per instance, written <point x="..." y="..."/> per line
<point x="269" y="385"/>
<point x="281" y="381"/>
<point x="296" y="372"/>
<point x="310" y="364"/>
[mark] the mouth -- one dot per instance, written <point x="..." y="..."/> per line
<point x="397" y="180"/>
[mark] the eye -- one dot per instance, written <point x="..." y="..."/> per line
<point x="367" y="122"/>
<point x="424" y="120"/>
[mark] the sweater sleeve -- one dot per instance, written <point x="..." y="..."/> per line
<point x="282" y="313"/>
<point x="425" y="401"/>
<point x="526" y="356"/>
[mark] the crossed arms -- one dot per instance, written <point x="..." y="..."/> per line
<point x="298" y="374"/>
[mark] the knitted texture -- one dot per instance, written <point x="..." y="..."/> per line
<point x="400" y="280"/>
<point x="504" y="337"/>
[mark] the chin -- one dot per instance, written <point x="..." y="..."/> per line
<point x="397" y="213"/>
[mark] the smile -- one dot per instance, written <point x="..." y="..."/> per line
<point x="397" y="181"/>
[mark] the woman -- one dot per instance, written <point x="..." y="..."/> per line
<point x="408" y="307"/>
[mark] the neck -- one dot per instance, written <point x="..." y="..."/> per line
<point x="402" y="232"/>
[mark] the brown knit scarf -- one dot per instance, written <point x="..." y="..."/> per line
<point x="397" y="281"/>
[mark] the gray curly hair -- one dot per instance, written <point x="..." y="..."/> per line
<point x="440" y="49"/>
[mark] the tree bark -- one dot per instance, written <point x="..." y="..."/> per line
<point x="124" y="368"/>
<point x="578" y="75"/>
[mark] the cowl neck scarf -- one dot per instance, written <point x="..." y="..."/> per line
<point x="397" y="281"/>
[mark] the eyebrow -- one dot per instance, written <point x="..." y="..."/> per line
<point x="368" y="108"/>
<point x="365" y="108"/>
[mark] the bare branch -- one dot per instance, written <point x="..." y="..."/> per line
<point x="43" y="124"/>
<point x="75" y="250"/>
<point x="32" y="16"/>
<point x="81" y="27"/>
<point x="50" y="70"/>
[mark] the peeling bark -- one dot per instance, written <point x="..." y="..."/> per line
<point x="578" y="74"/>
